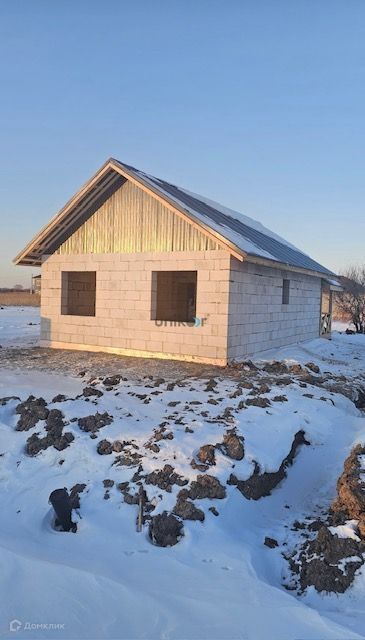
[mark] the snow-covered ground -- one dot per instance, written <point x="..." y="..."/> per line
<point x="343" y="354"/>
<point x="19" y="326"/>
<point x="220" y="581"/>
<point x="340" y="325"/>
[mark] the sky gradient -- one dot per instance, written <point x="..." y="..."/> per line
<point x="256" y="104"/>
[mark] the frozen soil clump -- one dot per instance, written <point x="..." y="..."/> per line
<point x="329" y="563"/>
<point x="31" y="412"/>
<point x="165" y="529"/>
<point x="54" y="438"/>
<point x="92" y="424"/>
<point x="260" y="485"/>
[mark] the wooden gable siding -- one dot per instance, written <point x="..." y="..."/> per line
<point x="132" y="221"/>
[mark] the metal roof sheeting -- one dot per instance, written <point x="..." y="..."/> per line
<point x="247" y="237"/>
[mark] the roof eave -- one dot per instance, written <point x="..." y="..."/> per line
<point x="22" y="258"/>
<point x="287" y="267"/>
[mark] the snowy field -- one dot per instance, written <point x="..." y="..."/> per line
<point x="220" y="581"/>
<point x="19" y="326"/>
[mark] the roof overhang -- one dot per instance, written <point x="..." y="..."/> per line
<point x="110" y="177"/>
<point x="275" y="264"/>
<point x="84" y="203"/>
<point x="333" y="284"/>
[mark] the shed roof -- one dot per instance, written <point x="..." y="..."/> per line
<point x="242" y="235"/>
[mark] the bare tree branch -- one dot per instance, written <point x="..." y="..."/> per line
<point x="352" y="299"/>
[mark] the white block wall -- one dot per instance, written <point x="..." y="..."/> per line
<point x="122" y="323"/>
<point x="242" y="304"/>
<point x="257" y="318"/>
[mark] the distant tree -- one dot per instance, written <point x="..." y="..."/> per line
<point x="351" y="300"/>
<point x="18" y="287"/>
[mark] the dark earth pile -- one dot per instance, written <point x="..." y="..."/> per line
<point x="165" y="530"/>
<point x="350" y="501"/>
<point x="259" y="484"/>
<point x="329" y="562"/>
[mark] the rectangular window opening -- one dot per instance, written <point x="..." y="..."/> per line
<point x="286" y="290"/>
<point x="174" y="295"/>
<point x="78" y="293"/>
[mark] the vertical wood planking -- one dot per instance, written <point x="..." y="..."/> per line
<point x="132" y="221"/>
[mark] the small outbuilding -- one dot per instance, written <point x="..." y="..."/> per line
<point x="36" y="284"/>
<point x="137" y="266"/>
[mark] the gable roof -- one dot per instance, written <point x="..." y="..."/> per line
<point x="241" y="235"/>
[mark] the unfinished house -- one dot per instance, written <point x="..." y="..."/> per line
<point x="136" y="266"/>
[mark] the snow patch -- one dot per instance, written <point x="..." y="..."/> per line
<point x="348" y="530"/>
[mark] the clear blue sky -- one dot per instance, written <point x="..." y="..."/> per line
<point x="259" y="104"/>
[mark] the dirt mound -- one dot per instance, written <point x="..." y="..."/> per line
<point x="270" y="542"/>
<point x="89" y="392"/>
<point x="206" y="454"/>
<point x="129" y="498"/>
<point x="104" y="448"/>
<point x="329" y="563"/>
<point x="204" y="487"/>
<point x="112" y="381"/>
<point x="165" y="530"/>
<point x="361" y="526"/>
<point x="54" y="438"/>
<point x="55" y="423"/>
<point x="275" y="367"/>
<point x="258" y="402"/>
<point x="211" y="385"/>
<point x="232" y="445"/>
<point x="280" y="399"/>
<point x="35" y="444"/>
<point x="129" y="456"/>
<point x="4" y="401"/>
<point x="31" y="411"/>
<point x="60" y="397"/>
<point x="313" y="367"/>
<point x="187" y="510"/>
<point x="351" y="486"/>
<point x="75" y="494"/>
<point x="92" y="424"/>
<point x="259" y="484"/>
<point x="161" y="433"/>
<point x="165" y="478"/>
